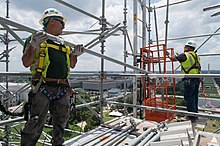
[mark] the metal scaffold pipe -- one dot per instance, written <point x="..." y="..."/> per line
<point x="166" y="23"/>
<point x="208" y="55"/>
<point x="12" y="32"/>
<point x="156" y="30"/>
<point x="184" y="75"/>
<point x="9" y="121"/>
<point x="96" y="137"/>
<point x="155" y="138"/>
<point x="54" y="38"/>
<point x="215" y="14"/>
<point x="211" y="7"/>
<point x="150" y="75"/>
<point x="116" y="137"/>
<point x="77" y="9"/>
<point x="15" y="73"/>
<point x="86" y="104"/>
<point x="206" y="115"/>
<point x="146" y="139"/>
<point x="171" y="4"/>
<point x="193" y="36"/>
<point x="120" y="136"/>
<point x="139" y="138"/>
<point x="102" y="38"/>
<point x="135" y="15"/>
<point x="103" y="34"/>
<point x="90" y="103"/>
<point x="125" y="52"/>
<point x="207" y="39"/>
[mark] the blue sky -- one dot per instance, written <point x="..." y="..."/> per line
<point x="185" y="19"/>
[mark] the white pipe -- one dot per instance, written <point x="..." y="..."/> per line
<point x="206" y="115"/>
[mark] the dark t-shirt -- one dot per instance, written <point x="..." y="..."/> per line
<point x="181" y="57"/>
<point x="57" y="68"/>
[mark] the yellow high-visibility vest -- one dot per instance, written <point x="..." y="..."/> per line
<point x="42" y="61"/>
<point x="192" y="64"/>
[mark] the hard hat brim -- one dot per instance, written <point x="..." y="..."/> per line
<point x="41" y="21"/>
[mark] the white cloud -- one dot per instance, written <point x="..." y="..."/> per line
<point x="188" y="19"/>
<point x="185" y="19"/>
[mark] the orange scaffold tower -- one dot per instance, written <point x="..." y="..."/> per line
<point x="158" y="92"/>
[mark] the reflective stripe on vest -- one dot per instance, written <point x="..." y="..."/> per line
<point x="66" y="50"/>
<point x="41" y="62"/>
<point x="191" y="65"/>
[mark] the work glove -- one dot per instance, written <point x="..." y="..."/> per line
<point x="78" y="50"/>
<point x="38" y="38"/>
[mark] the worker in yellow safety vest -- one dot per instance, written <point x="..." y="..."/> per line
<point x="190" y="64"/>
<point x="50" y="62"/>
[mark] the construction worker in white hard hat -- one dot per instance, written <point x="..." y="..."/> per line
<point x="51" y="13"/>
<point x="190" y="64"/>
<point x="50" y="64"/>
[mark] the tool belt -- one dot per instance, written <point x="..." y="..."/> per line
<point x="58" y="81"/>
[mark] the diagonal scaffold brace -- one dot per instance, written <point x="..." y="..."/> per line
<point x="6" y="22"/>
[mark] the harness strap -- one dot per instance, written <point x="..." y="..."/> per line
<point x="58" y="81"/>
<point x="193" y="66"/>
<point x="66" y="50"/>
<point x="189" y="69"/>
<point x="42" y="55"/>
<point x="196" y="64"/>
<point x="50" y="95"/>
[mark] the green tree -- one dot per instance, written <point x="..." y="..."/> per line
<point x="92" y="123"/>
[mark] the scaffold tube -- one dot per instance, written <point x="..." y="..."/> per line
<point x="123" y="131"/>
<point x="114" y="128"/>
<point x="54" y="38"/>
<point x="145" y="140"/>
<point x="139" y="138"/>
<point x="206" y="115"/>
<point x="155" y="138"/>
<point x="111" y="143"/>
<point x="3" y="122"/>
<point x="150" y="75"/>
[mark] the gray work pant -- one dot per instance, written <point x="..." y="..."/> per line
<point x="59" y="110"/>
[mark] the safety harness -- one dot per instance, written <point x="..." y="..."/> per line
<point x="195" y="65"/>
<point x="50" y="95"/>
<point x="40" y="67"/>
<point x="41" y="63"/>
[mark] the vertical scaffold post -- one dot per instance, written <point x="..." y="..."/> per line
<point x="135" y="57"/>
<point x="103" y="28"/>
<point x="7" y="127"/>
<point x="125" y="53"/>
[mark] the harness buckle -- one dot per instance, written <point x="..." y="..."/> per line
<point x="58" y="81"/>
<point x="41" y="88"/>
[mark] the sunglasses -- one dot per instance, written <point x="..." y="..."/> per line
<point x="61" y="21"/>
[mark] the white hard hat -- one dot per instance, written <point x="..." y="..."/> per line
<point x="191" y="43"/>
<point x="51" y="12"/>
